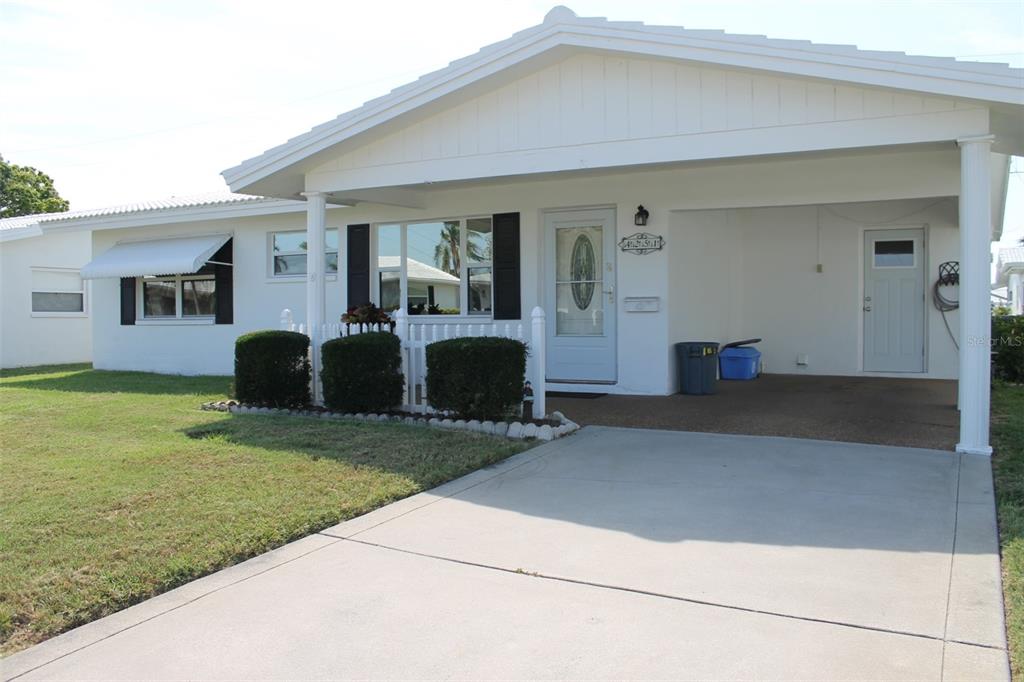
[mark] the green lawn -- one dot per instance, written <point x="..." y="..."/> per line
<point x="1008" y="470"/>
<point x="116" y="487"/>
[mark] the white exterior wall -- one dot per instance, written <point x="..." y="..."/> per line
<point x="1015" y="285"/>
<point x="184" y="348"/>
<point x="643" y="339"/>
<point x="28" y="339"/>
<point x="752" y="273"/>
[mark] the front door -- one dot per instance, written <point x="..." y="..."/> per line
<point x="893" y="304"/>
<point x="581" y="296"/>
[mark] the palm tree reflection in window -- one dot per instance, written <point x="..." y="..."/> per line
<point x="447" y="255"/>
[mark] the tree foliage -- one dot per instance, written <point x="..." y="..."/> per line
<point x="447" y="254"/>
<point x="25" y="190"/>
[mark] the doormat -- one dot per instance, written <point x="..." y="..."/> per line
<point x="574" y="394"/>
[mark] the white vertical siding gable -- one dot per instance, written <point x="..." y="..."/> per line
<point x="593" y="97"/>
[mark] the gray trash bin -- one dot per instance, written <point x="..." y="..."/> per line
<point x="697" y="364"/>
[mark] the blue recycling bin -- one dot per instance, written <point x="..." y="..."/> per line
<point x="739" y="363"/>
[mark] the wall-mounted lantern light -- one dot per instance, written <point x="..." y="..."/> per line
<point x="641" y="216"/>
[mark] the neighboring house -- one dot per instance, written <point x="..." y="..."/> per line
<point x="806" y="194"/>
<point x="1000" y="297"/>
<point x="430" y="288"/>
<point x="1010" y="274"/>
<point x="44" y="303"/>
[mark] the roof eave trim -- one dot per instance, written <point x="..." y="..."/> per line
<point x="16" y="233"/>
<point x="890" y="73"/>
<point x="175" y="215"/>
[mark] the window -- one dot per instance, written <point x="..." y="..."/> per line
<point x="444" y="266"/>
<point x="894" y="253"/>
<point x="288" y="252"/>
<point x="179" y="297"/>
<point x="57" y="292"/>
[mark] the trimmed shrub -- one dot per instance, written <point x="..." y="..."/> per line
<point x="272" y="368"/>
<point x="1008" y="347"/>
<point x="476" y="377"/>
<point x="363" y="372"/>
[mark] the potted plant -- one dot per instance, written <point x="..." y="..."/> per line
<point x="366" y="316"/>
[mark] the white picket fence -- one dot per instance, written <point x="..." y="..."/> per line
<point x="416" y="335"/>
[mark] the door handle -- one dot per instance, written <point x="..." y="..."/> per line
<point x="867" y="309"/>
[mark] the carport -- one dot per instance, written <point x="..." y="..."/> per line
<point x="878" y="410"/>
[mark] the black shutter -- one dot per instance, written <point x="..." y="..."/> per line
<point x="127" y="300"/>
<point x="505" y="259"/>
<point x="224" y="278"/>
<point x="358" y="265"/>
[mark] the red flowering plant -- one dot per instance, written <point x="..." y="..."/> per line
<point x="367" y="314"/>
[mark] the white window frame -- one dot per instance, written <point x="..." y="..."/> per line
<point x="84" y="291"/>
<point x="273" y="277"/>
<point x="874" y="246"/>
<point x="464" y="265"/>
<point x="179" y="289"/>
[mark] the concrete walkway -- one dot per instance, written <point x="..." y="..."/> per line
<point x="616" y="553"/>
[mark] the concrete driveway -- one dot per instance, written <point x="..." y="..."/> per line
<point x="616" y="553"/>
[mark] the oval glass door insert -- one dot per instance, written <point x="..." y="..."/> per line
<point x="583" y="273"/>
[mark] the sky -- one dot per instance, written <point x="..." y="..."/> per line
<point x="124" y="100"/>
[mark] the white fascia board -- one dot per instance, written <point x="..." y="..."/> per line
<point x="172" y="216"/>
<point x="862" y="68"/>
<point x="833" y="135"/>
<point x="373" y="114"/>
<point x="16" y="233"/>
<point x="858" y="70"/>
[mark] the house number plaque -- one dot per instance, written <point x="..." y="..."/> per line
<point x="642" y="243"/>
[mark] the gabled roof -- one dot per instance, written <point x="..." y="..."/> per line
<point x="1012" y="256"/>
<point x="996" y="83"/>
<point x="419" y="270"/>
<point x="209" y="206"/>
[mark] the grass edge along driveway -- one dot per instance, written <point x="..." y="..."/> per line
<point x="1008" y="472"/>
<point x="117" y="487"/>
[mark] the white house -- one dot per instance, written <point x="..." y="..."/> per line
<point x="44" y="303"/>
<point x="805" y="194"/>
<point x="1010" y="274"/>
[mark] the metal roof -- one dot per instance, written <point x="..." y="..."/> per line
<point x="1013" y="255"/>
<point x="417" y="270"/>
<point x="167" y="204"/>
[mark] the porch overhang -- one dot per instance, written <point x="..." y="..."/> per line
<point x="937" y="127"/>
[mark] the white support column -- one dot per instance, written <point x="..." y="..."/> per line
<point x="975" y="314"/>
<point x="316" y="288"/>
<point x="538" y="341"/>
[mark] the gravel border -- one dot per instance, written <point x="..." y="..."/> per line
<point x="514" y="430"/>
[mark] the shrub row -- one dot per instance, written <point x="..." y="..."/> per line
<point x="476" y="377"/>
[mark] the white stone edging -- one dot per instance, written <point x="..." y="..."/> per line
<point x="514" y="430"/>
